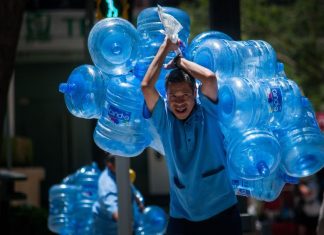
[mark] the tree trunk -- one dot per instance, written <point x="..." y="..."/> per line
<point x="225" y="17"/>
<point x="11" y="15"/>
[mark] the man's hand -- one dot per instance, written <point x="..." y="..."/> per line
<point x="170" y="45"/>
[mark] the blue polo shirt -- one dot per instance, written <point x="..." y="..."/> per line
<point x="199" y="183"/>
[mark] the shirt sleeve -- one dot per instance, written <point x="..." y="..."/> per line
<point x="110" y="203"/>
<point x="210" y="106"/>
<point x="158" y="114"/>
<point x="108" y="198"/>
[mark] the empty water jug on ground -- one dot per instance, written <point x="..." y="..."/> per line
<point x="62" y="213"/>
<point x="87" y="178"/>
<point x="153" y="221"/>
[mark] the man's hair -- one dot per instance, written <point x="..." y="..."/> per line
<point x="110" y="158"/>
<point x="178" y="75"/>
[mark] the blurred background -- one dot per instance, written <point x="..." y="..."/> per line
<point x="42" y="41"/>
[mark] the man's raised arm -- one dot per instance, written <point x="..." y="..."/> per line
<point x="151" y="95"/>
<point x="207" y="77"/>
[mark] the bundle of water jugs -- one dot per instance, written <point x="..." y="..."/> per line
<point x="71" y="202"/>
<point x="270" y="132"/>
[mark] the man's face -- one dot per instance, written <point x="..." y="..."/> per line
<point x="181" y="99"/>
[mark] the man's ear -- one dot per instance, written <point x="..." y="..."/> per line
<point x="195" y="92"/>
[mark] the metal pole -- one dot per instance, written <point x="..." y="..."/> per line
<point x="10" y="120"/>
<point x="125" y="215"/>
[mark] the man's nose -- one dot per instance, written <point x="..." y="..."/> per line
<point x="179" y="99"/>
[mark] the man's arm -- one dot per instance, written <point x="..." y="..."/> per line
<point x="151" y="95"/>
<point x="115" y="216"/>
<point x="207" y="77"/>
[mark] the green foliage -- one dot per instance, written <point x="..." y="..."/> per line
<point x="296" y="32"/>
<point x="199" y="16"/>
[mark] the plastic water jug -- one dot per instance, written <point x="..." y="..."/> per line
<point x="122" y="130"/>
<point x="302" y="146"/>
<point x="113" y="45"/>
<point x="245" y="103"/>
<point x="284" y="101"/>
<point x="87" y="178"/>
<point x="153" y="221"/>
<point x="62" y="213"/>
<point x="242" y="104"/>
<point x="150" y="29"/>
<point x="84" y="92"/>
<point x="253" y="154"/>
<point x="253" y="59"/>
<point x="266" y="189"/>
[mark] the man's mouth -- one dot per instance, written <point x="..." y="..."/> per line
<point x="181" y="109"/>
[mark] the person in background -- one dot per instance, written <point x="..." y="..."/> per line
<point x="320" y="223"/>
<point x="105" y="210"/>
<point x="307" y="205"/>
<point x="202" y="200"/>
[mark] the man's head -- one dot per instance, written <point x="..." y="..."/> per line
<point x="110" y="161"/>
<point x="181" y="93"/>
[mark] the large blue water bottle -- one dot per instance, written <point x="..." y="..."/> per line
<point x="253" y="154"/>
<point x="153" y="221"/>
<point x="150" y="29"/>
<point x="245" y="103"/>
<point x="302" y="146"/>
<point x="242" y="105"/>
<point x="214" y="54"/>
<point x="227" y="58"/>
<point x="87" y="178"/>
<point x="258" y="59"/>
<point x="113" y="45"/>
<point x="122" y="130"/>
<point x="84" y="92"/>
<point x="284" y="101"/>
<point x="204" y="43"/>
<point x="266" y="189"/>
<point x="203" y="37"/>
<point x="62" y="213"/>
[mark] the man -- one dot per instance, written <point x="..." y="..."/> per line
<point x="202" y="200"/>
<point x="105" y="210"/>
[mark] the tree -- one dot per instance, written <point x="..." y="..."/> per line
<point x="296" y="31"/>
<point x="199" y="16"/>
<point x="11" y="14"/>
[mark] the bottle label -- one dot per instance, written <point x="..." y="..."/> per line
<point x="311" y="119"/>
<point x="240" y="183"/>
<point x="117" y="115"/>
<point x="235" y="183"/>
<point x="275" y="99"/>
<point x="243" y="192"/>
